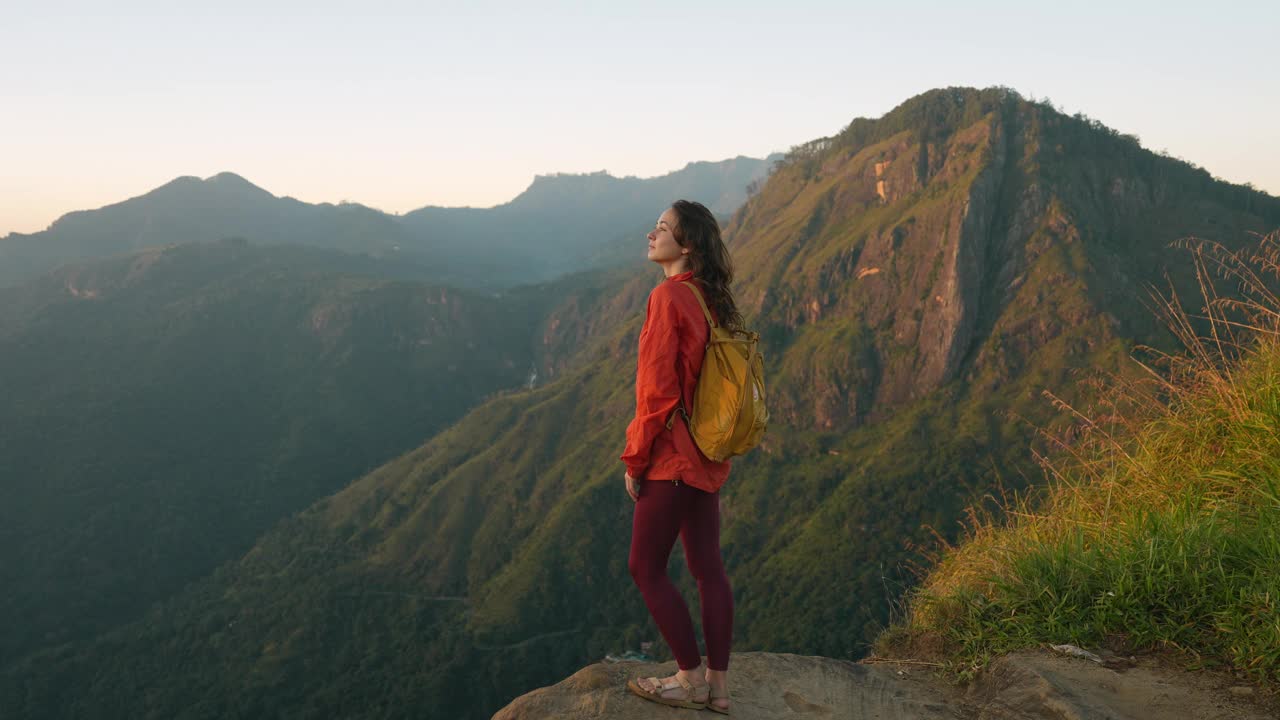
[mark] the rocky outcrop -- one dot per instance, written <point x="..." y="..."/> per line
<point x="1035" y="685"/>
<point x="763" y="685"/>
<point x="1027" y="685"/>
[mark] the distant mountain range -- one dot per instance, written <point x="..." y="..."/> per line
<point x="917" y="279"/>
<point x="560" y="224"/>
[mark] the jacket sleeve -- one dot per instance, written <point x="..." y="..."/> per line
<point x="657" y="381"/>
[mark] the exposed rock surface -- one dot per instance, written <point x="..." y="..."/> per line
<point x="762" y="685"/>
<point x="1025" y="685"/>
<point x="880" y="267"/>
<point x="1035" y="685"/>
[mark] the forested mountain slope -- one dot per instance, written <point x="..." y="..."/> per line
<point x="162" y="410"/>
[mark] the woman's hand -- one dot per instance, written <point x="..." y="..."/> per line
<point x="633" y="487"/>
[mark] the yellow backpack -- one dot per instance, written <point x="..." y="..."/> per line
<point x="729" y="412"/>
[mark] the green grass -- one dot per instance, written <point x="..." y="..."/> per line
<point x="1161" y="527"/>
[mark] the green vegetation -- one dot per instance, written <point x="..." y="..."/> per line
<point x="1161" y="525"/>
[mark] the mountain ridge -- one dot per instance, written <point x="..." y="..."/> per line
<point x="559" y="224"/>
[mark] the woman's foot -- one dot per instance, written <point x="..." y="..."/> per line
<point x="718" y="698"/>
<point x="686" y="688"/>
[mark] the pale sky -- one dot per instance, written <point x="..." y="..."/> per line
<point x="397" y="105"/>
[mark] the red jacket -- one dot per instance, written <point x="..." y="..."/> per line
<point x="673" y="342"/>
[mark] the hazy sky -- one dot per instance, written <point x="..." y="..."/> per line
<point x="400" y="105"/>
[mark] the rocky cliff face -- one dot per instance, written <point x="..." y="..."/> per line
<point x="917" y="247"/>
<point x="893" y="240"/>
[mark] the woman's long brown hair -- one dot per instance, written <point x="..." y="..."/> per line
<point x="697" y="229"/>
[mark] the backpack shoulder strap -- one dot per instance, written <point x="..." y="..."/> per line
<point x="681" y="408"/>
<point x="702" y="303"/>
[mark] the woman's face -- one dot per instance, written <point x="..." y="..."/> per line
<point x="663" y="247"/>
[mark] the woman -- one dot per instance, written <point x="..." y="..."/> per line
<point x="675" y="488"/>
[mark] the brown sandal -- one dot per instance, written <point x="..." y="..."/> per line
<point x="660" y="687"/>
<point x="712" y="696"/>
<point x="716" y="708"/>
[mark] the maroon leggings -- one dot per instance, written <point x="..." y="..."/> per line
<point x="664" y="510"/>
